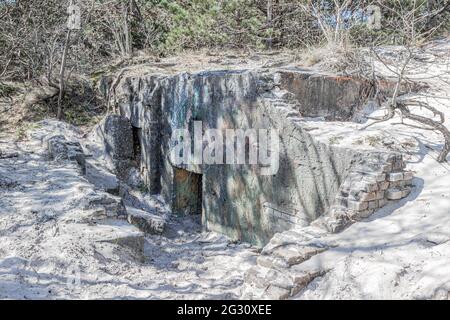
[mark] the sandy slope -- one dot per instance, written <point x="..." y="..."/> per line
<point x="48" y="248"/>
<point x="402" y="251"/>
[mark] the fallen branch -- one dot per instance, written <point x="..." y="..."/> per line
<point x="437" y="125"/>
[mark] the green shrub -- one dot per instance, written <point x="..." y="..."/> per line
<point x="6" y="90"/>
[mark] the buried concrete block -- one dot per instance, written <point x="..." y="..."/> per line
<point x="145" y="221"/>
<point x="279" y="279"/>
<point x="101" y="177"/>
<point x="337" y="222"/>
<point x="286" y="238"/>
<point x="276" y="293"/>
<point x="134" y="241"/>
<point x="271" y="262"/>
<point x="255" y="277"/>
<point x="302" y="279"/>
<point x="266" y="283"/>
<point x="106" y="205"/>
<point x="116" y="232"/>
<point x="296" y="254"/>
<point x="59" y="148"/>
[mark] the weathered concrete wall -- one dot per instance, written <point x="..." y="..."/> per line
<point x="113" y="142"/>
<point x="141" y="102"/>
<point x="324" y="95"/>
<point x="236" y="199"/>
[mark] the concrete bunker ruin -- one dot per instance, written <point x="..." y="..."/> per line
<point x="314" y="179"/>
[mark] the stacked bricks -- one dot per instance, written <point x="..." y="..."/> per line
<point x="370" y="185"/>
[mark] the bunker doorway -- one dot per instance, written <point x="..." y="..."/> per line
<point x="187" y="192"/>
<point x="137" y="145"/>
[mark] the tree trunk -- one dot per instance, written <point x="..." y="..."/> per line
<point x="126" y="29"/>
<point x="269" y="21"/>
<point x="61" y="76"/>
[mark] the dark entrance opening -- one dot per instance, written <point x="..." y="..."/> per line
<point x="137" y="146"/>
<point x="187" y="192"/>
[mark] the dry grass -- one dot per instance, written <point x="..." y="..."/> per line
<point x="81" y="108"/>
<point x="341" y="58"/>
